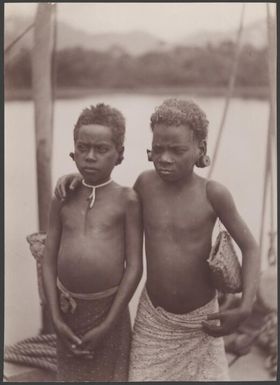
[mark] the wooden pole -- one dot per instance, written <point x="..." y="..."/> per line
<point x="42" y="59"/>
<point x="267" y="174"/>
<point x="271" y="46"/>
<point x="43" y="105"/>
<point x="271" y="42"/>
<point x="229" y="90"/>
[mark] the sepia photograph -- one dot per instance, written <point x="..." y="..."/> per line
<point x="140" y="184"/>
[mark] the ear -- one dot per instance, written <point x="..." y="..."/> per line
<point x="202" y="147"/>
<point x="203" y="160"/>
<point x="120" y="157"/>
<point x="72" y="155"/>
<point x="149" y="153"/>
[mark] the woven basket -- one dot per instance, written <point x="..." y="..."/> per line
<point x="37" y="243"/>
<point x="224" y="266"/>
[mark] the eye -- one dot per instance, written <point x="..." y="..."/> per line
<point x="156" y="149"/>
<point x="81" y="147"/>
<point x="102" y="149"/>
<point x="179" y="150"/>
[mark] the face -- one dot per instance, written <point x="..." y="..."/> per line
<point x="174" y="151"/>
<point x="96" y="153"/>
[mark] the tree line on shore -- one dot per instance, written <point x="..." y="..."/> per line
<point x="208" y="66"/>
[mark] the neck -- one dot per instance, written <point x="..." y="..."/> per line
<point x="184" y="181"/>
<point x="107" y="181"/>
<point x="94" y="187"/>
<point x="188" y="178"/>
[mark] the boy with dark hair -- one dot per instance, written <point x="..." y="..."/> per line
<point x="93" y="256"/>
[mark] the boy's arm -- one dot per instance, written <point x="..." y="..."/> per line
<point x="133" y="270"/>
<point x="133" y="252"/>
<point x="65" y="184"/>
<point x="50" y="274"/>
<point x="50" y="258"/>
<point x="223" y="204"/>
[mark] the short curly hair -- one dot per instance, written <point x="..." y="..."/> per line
<point x="105" y="115"/>
<point x="178" y="111"/>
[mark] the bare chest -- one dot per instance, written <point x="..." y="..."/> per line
<point x="104" y="216"/>
<point x="177" y="213"/>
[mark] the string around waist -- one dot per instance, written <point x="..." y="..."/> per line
<point x="86" y="296"/>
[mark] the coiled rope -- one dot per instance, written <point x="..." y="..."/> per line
<point x="38" y="351"/>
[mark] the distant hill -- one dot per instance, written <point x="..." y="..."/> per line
<point x="13" y="27"/>
<point x="134" y="43"/>
<point x="254" y="34"/>
<point x="137" y="59"/>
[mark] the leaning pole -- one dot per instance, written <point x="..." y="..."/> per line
<point x="44" y="34"/>
<point x="43" y="105"/>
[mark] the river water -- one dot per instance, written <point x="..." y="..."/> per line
<point x="240" y="166"/>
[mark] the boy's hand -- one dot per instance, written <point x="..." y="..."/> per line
<point x="230" y="320"/>
<point x="92" y="338"/>
<point x="66" y="183"/>
<point x="69" y="338"/>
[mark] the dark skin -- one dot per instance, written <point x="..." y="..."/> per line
<point x="81" y="239"/>
<point x="179" y="211"/>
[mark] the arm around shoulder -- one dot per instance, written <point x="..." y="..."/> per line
<point x="66" y="183"/>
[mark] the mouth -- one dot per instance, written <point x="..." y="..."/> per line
<point x="90" y="170"/>
<point x="164" y="171"/>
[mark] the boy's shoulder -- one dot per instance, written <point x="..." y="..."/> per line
<point x="217" y="193"/>
<point x="56" y="203"/>
<point x="127" y="193"/>
<point x="214" y="187"/>
<point x="146" y="177"/>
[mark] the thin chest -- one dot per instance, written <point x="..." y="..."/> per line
<point x="182" y="212"/>
<point x="104" y="214"/>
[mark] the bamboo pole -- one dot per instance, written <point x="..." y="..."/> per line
<point x="43" y="105"/>
<point x="42" y="58"/>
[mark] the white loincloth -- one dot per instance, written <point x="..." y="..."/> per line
<point x="173" y="347"/>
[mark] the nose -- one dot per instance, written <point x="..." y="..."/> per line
<point x="165" y="158"/>
<point x="91" y="155"/>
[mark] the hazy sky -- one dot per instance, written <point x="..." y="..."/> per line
<point x="166" y="20"/>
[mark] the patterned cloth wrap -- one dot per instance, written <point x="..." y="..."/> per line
<point x="173" y="347"/>
<point x="82" y="312"/>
